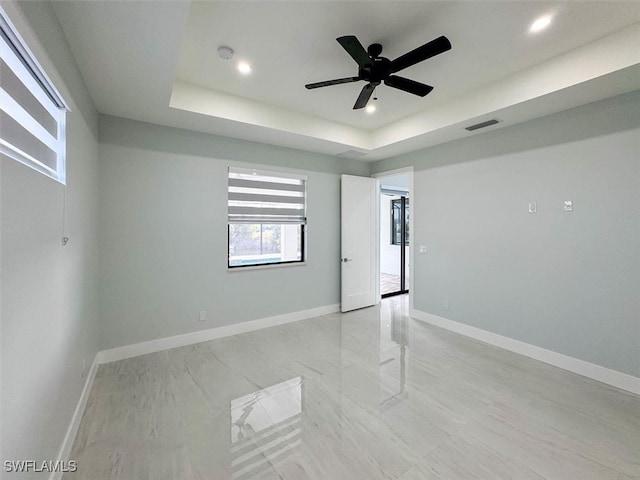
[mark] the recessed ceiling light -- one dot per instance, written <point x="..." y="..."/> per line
<point x="540" y="24"/>
<point x="225" y="53"/>
<point x="244" y="68"/>
<point x="370" y="108"/>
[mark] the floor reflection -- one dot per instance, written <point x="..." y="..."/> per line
<point x="384" y="397"/>
<point x="265" y="427"/>
<point x="394" y="341"/>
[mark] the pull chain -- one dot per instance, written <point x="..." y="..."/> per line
<point x="65" y="239"/>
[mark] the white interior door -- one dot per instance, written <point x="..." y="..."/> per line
<point x="359" y="239"/>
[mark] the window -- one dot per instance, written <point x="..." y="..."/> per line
<point x="32" y="113"/>
<point x="267" y="218"/>
<point x="396" y="221"/>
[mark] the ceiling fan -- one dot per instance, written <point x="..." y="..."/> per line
<point x="374" y="69"/>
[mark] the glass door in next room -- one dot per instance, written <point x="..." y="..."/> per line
<point x="394" y="242"/>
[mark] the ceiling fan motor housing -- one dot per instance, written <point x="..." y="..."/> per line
<point x="376" y="72"/>
<point x="374" y="50"/>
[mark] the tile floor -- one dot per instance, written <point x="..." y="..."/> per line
<point x="391" y="283"/>
<point x="366" y="395"/>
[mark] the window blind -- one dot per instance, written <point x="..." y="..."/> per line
<point x="31" y="112"/>
<point x="266" y="197"/>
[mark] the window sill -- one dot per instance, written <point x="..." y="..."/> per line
<point x="267" y="266"/>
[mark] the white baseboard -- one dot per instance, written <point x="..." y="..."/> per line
<point x="72" y="430"/>
<point x="586" y="369"/>
<point x="166" y="343"/>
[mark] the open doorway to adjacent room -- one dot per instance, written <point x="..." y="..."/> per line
<point x="395" y="225"/>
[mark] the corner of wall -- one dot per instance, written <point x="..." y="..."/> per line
<point x="35" y="211"/>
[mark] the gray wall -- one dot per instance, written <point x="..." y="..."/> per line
<point x="568" y="282"/>
<point x="564" y="281"/>
<point x="163" y="233"/>
<point x="49" y="305"/>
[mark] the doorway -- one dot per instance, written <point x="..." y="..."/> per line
<point x="394" y="235"/>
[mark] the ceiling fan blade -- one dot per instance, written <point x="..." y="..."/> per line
<point x="408" y="85"/>
<point x="428" y="50"/>
<point x="365" y="95"/>
<point x="338" y="81"/>
<point x="354" y="48"/>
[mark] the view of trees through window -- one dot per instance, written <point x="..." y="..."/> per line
<point x="259" y="244"/>
<point x="252" y="239"/>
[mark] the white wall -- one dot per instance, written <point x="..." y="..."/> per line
<point x="49" y="314"/>
<point x="398" y="181"/>
<point x="567" y="282"/>
<point x="163" y="232"/>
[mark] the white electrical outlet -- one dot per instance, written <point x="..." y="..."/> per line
<point x="533" y="207"/>
<point x="423" y="249"/>
<point x="203" y="315"/>
<point x="568" y="205"/>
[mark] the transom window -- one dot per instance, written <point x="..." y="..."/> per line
<point x="267" y="218"/>
<point x="32" y="113"/>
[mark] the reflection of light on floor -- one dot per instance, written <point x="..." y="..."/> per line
<point x="394" y="333"/>
<point x="265" y="427"/>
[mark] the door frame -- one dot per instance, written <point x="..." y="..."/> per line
<point x="388" y="173"/>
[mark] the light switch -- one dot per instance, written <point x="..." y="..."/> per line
<point x="568" y="205"/>
<point x="533" y="207"/>
<point x="423" y="249"/>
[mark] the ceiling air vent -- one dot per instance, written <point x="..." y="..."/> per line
<point x="352" y="154"/>
<point x="477" y="126"/>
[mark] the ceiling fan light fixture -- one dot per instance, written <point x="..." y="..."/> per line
<point x="540" y="24"/>
<point x="370" y="109"/>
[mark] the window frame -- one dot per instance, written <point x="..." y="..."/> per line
<point x="286" y="263"/>
<point x="32" y="77"/>
<point x="303" y="224"/>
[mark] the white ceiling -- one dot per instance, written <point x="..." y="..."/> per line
<point x="157" y="62"/>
